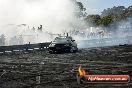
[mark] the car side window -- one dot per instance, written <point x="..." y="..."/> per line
<point x="69" y="41"/>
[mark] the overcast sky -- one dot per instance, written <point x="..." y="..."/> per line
<point x="96" y="6"/>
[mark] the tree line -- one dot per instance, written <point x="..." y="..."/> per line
<point x="107" y="16"/>
<point x="110" y="15"/>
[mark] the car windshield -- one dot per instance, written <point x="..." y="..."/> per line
<point x="60" y="39"/>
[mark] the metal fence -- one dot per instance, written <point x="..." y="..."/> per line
<point x="21" y="48"/>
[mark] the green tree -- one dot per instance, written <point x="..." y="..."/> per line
<point x="128" y="12"/>
<point x="93" y="19"/>
<point x="105" y="21"/>
<point x="80" y="10"/>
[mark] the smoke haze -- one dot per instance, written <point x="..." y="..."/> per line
<point x="18" y="17"/>
<point x="118" y="33"/>
<point x="56" y="16"/>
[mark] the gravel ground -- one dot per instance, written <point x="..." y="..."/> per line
<point x="39" y="69"/>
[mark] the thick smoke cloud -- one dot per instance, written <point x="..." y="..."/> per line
<point x="18" y="17"/>
<point x="56" y="16"/>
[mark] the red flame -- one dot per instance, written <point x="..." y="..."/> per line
<point x="81" y="71"/>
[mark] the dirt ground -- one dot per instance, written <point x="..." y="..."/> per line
<point x="39" y="69"/>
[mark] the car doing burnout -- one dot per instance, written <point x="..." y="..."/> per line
<point x="63" y="44"/>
